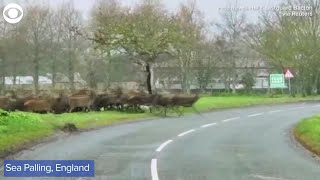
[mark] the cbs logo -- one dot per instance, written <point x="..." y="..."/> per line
<point x="12" y="13"/>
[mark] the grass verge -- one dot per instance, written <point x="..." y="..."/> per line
<point x="19" y="128"/>
<point x="307" y="133"/>
<point x="212" y="103"/>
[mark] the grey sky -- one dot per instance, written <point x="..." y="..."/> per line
<point x="209" y="7"/>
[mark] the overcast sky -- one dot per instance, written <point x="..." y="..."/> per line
<point x="209" y="7"/>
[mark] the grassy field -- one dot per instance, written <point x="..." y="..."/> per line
<point x="18" y="129"/>
<point x="307" y="132"/>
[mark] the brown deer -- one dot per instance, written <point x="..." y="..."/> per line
<point x="162" y="101"/>
<point x="42" y="105"/>
<point x="81" y="101"/>
<point x="61" y="104"/>
<point x="4" y="100"/>
<point x="17" y="103"/>
<point x="184" y="101"/>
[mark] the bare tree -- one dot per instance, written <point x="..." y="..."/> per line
<point x="36" y="19"/>
<point x="190" y="20"/>
<point x="71" y="19"/>
<point x="3" y="62"/>
<point x="143" y="32"/>
<point x="206" y="64"/>
<point x="55" y="43"/>
<point x="232" y="29"/>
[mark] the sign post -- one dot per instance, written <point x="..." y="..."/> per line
<point x="288" y="75"/>
<point x="277" y="81"/>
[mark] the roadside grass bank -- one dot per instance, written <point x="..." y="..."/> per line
<point x="18" y="129"/>
<point x="21" y="129"/>
<point x="213" y="103"/>
<point x="307" y="133"/>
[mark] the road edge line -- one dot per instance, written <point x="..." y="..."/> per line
<point x="186" y="132"/>
<point x="154" y="171"/>
<point x="254" y="115"/>
<point x="163" y="145"/>
<point x="230" y="119"/>
<point x="208" y="125"/>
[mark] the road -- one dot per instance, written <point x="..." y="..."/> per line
<point x="237" y="144"/>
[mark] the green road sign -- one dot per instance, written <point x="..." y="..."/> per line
<point x="277" y="81"/>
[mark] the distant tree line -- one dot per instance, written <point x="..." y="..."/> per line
<point x="60" y="40"/>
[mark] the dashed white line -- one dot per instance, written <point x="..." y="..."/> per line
<point x="276" y="111"/>
<point x="267" y="177"/>
<point x="208" y="125"/>
<point x="163" y="145"/>
<point x="154" y="171"/>
<point x="186" y="132"/>
<point x="231" y="119"/>
<point x="297" y="108"/>
<point x="253" y="115"/>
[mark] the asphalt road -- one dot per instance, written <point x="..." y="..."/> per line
<point x="238" y="144"/>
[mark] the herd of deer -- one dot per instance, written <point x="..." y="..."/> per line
<point x="88" y="100"/>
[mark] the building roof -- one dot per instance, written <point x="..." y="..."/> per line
<point x="28" y="80"/>
<point x="61" y="78"/>
<point x="22" y="80"/>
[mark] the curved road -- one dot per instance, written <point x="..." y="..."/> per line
<point x="238" y="144"/>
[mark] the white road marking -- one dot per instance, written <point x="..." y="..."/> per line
<point x="253" y="115"/>
<point x="154" y="171"/>
<point x="231" y="119"/>
<point x="186" y="132"/>
<point x="208" y="125"/>
<point x="276" y="111"/>
<point x="317" y="105"/>
<point x="266" y="177"/>
<point x="163" y="145"/>
<point x="297" y="108"/>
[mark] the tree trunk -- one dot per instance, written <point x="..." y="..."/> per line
<point x="268" y="78"/>
<point x="14" y="74"/>
<point x="36" y="70"/>
<point x="93" y="83"/>
<point x="233" y="88"/>
<point x="185" y="81"/>
<point x="3" y="75"/>
<point x="92" y="79"/>
<point x="149" y="85"/>
<point x="152" y="81"/>
<point x="234" y="84"/>
<point x="71" y="72"/>
<point x="36" y="75"/>
<point x="317" y="84"/>
<point x="14" y="79"/>
<point x="54" y="73"/>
